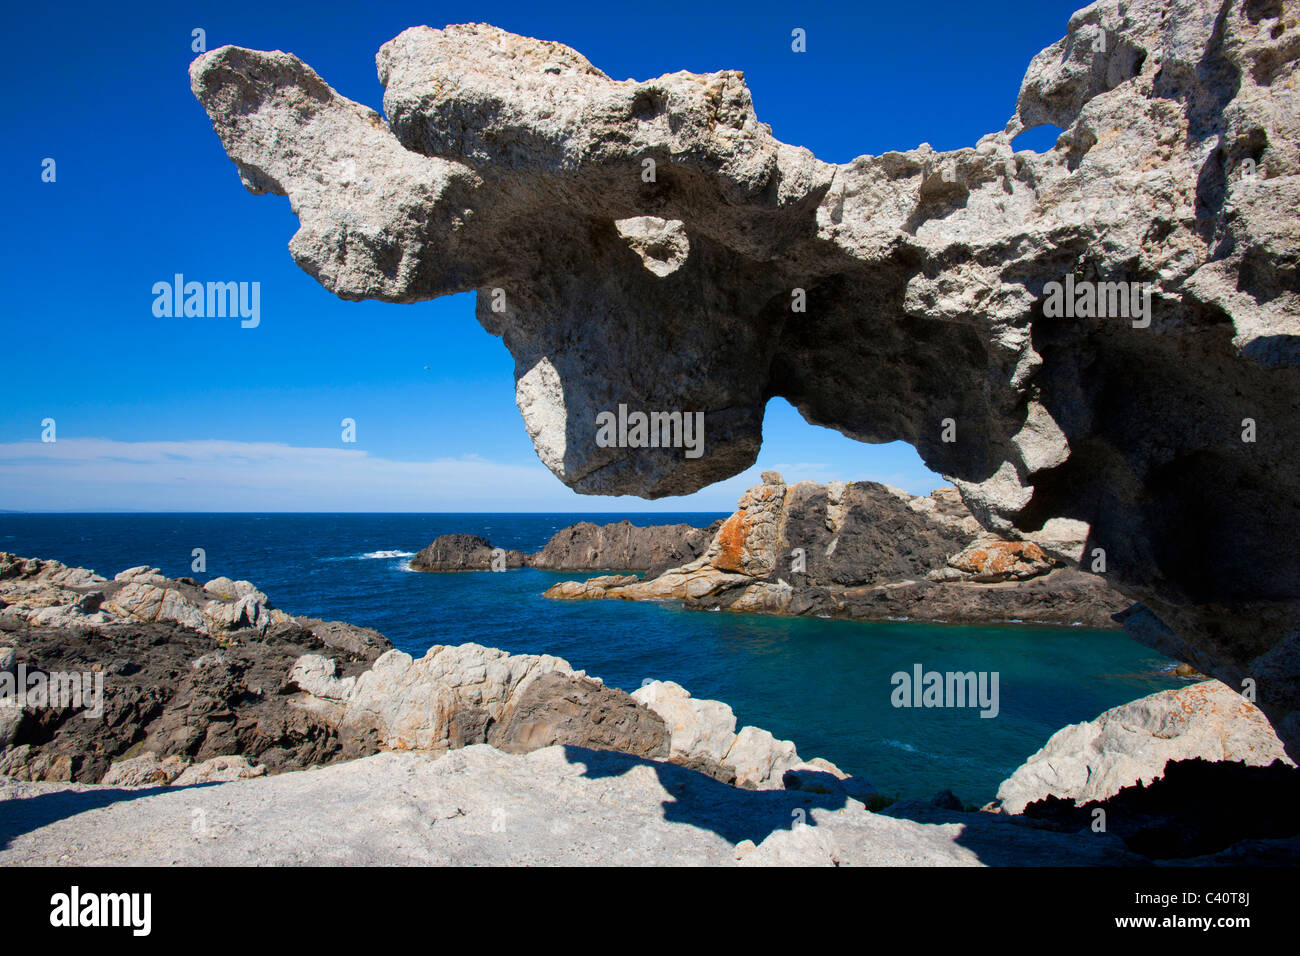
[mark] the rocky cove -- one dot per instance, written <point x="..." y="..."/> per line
<point x="212" y="683"/>
<point x="1106" y="468"/>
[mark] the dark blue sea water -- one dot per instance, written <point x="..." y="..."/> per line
<point x="823" y="684"/>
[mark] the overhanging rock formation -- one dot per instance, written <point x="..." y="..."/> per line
<point x="648" y="244"/>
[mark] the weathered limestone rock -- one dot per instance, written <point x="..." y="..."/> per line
<point x="147" y="602"/>
<point x="146" y="770"/>
<point x="143" y="601"/>
<point x="141" y="575"/>
<point x="996" y="560"/>
<point x="228" y="590"/>
<point x="479" y="806"/>
<point x="760" y="760"/>
<point x="697" y="728"/>
<point x="661" y="243"/>
<point x="703" y="736"/>
<point x="1133" y="742"/>
<point x="507" y="164"/>
<point x="590" y="589"/>
<point x="219" y="770"/>
<point x="363" y="642"/>
<point x="457" y="696"/>
<point x="51" y="573"/>
<point x="49" y="594"/>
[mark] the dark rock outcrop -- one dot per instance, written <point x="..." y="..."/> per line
<point x="362" y="642"/>
<point x="180" y="704"/>
<point x="1064" y="597"/>
<point x="464" y="552"/>
<point x="622" y="546"/>
<point x="556" y="709"/>
<point x="188" y="671"/>
<point x="1195" y="808"/>
<point x="202" y="682"/>
<point x="171" y="691"/>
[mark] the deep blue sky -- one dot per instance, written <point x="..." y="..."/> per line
<point x="199" y="414"/>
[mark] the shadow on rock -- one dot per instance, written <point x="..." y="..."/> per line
<point x="1000" y="840"/>
<point x="1197" y="808"/>
<point x="22" y="815"/>
<point x="733" y="813"/>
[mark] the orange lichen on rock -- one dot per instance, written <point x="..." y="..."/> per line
<point x="730" y="543"/>
<point x="1002" y="560"/>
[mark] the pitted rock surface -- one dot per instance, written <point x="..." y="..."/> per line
<point x="512" y="166"/>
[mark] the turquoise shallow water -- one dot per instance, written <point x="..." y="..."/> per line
<point x="823" y="684"/>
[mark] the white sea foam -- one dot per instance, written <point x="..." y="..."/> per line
<point x="389" y="554"/>
<point x="901" y="746"/>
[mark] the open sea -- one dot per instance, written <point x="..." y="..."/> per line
<point x="823" y="684"/>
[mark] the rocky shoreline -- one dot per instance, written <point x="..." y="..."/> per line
<point x="198" y="672"/>
<point x="859" y="551"/>
<point x="213" y="684"/>
<point x="191" y="672"/>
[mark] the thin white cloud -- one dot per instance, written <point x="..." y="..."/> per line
<point x="96" y="474"/>
<point x="99" y="474"/>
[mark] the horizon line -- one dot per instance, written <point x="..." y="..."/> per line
<point x="130" y="511"/>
